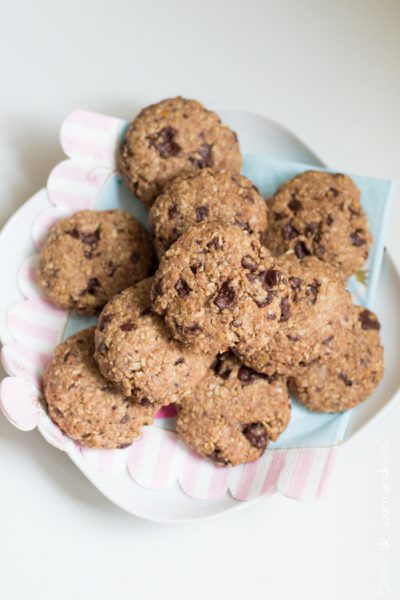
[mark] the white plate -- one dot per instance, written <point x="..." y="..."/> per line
<point x="258" y="134"/>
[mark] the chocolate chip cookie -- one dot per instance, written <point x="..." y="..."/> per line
<point x="173" y="137"/>
<point x="318" y="213"/>
<point x="320" y="319"/>
<point x="83" y="404"/>
<point x="218" y="287"/>
<point x="135" y="351"/>
<point x="207" y="195"/>
<point x="234" y="413"/>
<point x="349" y="377"/>
<point x="89" y="257"/>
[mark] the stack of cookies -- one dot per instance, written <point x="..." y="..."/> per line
<point x="230" y="302"/>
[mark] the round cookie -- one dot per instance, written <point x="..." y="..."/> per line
<point x="83" y="404"/>
<point x="349" y="377"/>
<point x="218" y="287"/>
<point x="234" y="413"/>
<point x="173" y="137"/>
<point x="92" y="255"/>
<point x="135" y="351"/>
<point x="207" y="195"/>
<point x="319" y="323"/>
<point x="318" y="213"/>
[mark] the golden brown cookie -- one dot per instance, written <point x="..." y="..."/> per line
<point x="320" y="319"/>
<point x="207" y="195"/>
<point x="135" y="351"/>
<point x="350" y="376"/>
<point x="320" y="214"/>
<point x="89" y="257"/>
<point x="173" y="137"/>
<point x="218" y="287"/>
<point x="234" y="413"/>
<point x="86" y="406"/>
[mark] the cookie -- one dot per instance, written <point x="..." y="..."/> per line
<point x="320" y="214"/>
<point x="85" y="406"/>
<point x="173" y="137"/>
<point x="92" y="255"/>
<point x="207" y="195"/>
<point x="349" y="377"/>
<point x="218" y="287"/>
<point x="234" y="413"/>
<point x="135" y="351"/>
<point x="320" y="318"/>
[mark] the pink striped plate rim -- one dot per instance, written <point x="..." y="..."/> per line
<point x="159" y="458"/>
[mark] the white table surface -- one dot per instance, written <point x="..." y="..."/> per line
<point x="330" y="72"/>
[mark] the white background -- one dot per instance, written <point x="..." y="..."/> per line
<point x="330" y="72"/>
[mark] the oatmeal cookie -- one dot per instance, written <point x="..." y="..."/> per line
<point x="349" y="377"/>
<point x="218" y="287"/>
<point x="234" y="413"/>
<point x="319" y="323"/>
<point x="320" y="214"/>
<point x="92" y="255"/>
<point x="172" y="137"/>
<point x="135" y="351"/>
<point x="207" y="195"/>
<point x="84" y="405"/>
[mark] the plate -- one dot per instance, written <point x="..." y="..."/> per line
<point x="258" y="135"/>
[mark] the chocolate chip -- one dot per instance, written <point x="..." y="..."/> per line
<point x="226" y="297"/>
<point x="270" y="278"/>
<point x="310" y="229"/>
<point x="279" y="216"/>
<point x="368" y="320"/>
<point x="145" y="401"/>
<point x="165" y="143"/>
<point x="301" y="250"/>
<point x="173" y="212"/>
<point x="251" y="276"/>
<point x="102" y="349"/>
<point x="289" y="232"/>
<point x="312" y="291"/>
<point x="214" y="243"/>
<point x="201" y="213"/>
<point x="179" y="361"/>
<point x="295" y="283"/>
<point x="261" y="302"/>
<point x="204" y="157"/>
<point x="124" y="419"/>
<point x="219" y="369"/>
<point x="247" y="375"/>
<point x="135" y="257"/>
<point x="295" y="205"/>
<point x="128" y="326"/>
<point x="90" y="237"/>
<point x="346" y="380"/>
<point x="292" y="338"/>
<point x="104" y="320"/>
<point x="244" y="225"/>
<point x="329" y="220"/>
<point x="356" y="238"/>
<point x="327" y="340"/>
<point x="92" y="285"/>
<point x="216" y="456"/>
<point x="257" y="435"/>
<point x="285" y="310"/>
<point x="74" y="233"/>
<point x="157" y="288"/>
<point x="248" y="263"/>
<point x="195" y="267"/>
<point x="182" y="287"/>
